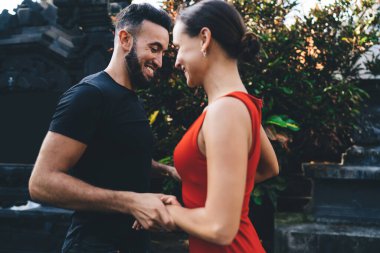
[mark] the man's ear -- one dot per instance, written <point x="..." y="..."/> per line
<point x="205" y="36"/>
<point x="126" y="40"/>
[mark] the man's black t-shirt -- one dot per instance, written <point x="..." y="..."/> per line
<point x="111" y="121"/>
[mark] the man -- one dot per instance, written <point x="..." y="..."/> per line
<point x="96" y="157"/>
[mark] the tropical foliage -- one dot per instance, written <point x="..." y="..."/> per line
<point x="305" y="74"/>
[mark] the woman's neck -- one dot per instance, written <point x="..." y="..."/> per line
<point x="222" y="78"/>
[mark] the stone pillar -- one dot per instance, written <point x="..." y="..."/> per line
<point x="40" y="59"/>
<point x="345" y="205"/>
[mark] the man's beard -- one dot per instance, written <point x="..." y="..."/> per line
<point x="134" y="68"/>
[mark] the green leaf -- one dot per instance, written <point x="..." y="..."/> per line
<point x="286" y="90"/>
<point x="363" y="40"/>
<point x="275" y="62"/>
<point x="317" y="99"/>
<point x="276" y="120"/>
<point x="282" y="121"/>
<point x="166" y="160"/>
<point x="309" y="83"/>
<point x="258" y="201"/>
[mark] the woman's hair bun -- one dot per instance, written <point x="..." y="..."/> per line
<point x="249" y="47"/>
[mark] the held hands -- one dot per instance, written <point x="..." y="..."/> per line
<point x="165" y="199"/>
<point x="151" y="213"/>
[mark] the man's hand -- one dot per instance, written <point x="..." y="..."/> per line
<point x="172" y="172"/>
<point x="151" y="213"/>
<point x="167" y="200"/>
<point x="166" y="170"/>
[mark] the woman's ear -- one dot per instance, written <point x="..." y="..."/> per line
<point x="205" y="36"/>
<point x="125" y="40"/>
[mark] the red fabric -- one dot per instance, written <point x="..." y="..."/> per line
<point x="192" y="167"/>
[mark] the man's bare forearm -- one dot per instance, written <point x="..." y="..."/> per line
<point x="65" y="191"/>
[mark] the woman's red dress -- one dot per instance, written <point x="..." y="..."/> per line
<point x="192" y="167"/>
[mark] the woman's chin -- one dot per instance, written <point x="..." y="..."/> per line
<point x="190" y="84"/>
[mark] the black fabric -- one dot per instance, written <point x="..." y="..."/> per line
<point x="110" y="119"/>
<point x="84" y="242"/>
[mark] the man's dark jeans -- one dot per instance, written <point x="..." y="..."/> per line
<point x="78" y="241"/>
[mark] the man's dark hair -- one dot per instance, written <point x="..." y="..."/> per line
<point x="131" y="17"/>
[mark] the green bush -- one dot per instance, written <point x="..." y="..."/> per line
<point x="305" y="74"/>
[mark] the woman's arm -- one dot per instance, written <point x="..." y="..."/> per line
<point x="268" y="164"/>
<point x="226" y="144"/>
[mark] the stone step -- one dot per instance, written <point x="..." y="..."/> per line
<point x="327" y="238"/>
<point x="14" y="174"/>
<point x="345" y="192"/>
<point x="39" y="230"/>
<point x="13" y="196"/>
<point x="338" y="171"/>
<point x="14" y="184"/>
<point x="43" y="229"/>
<point x="357" y="155"/>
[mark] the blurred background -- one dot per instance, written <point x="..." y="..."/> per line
<point x="318" y="74"/>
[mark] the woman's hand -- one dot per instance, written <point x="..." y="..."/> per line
<point x="170" y="200"/>
<point x="167" y="200"/>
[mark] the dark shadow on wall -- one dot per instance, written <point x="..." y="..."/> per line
<point x="24" y="121"/>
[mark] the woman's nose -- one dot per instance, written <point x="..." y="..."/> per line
<point x="177" y="63"/>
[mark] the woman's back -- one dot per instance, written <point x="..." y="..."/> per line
<point x="192" y="166"/>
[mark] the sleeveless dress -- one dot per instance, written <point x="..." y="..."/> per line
<point x="192" y="167"/>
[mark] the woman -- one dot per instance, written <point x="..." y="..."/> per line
<point x="218" y="157"/>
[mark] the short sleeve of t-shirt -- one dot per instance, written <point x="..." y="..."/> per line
<point x="78" y="113"/>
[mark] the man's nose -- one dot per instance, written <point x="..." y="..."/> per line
<point x="158" y="61"/>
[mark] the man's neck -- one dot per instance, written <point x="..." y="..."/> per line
<point x="119" y="73"/>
